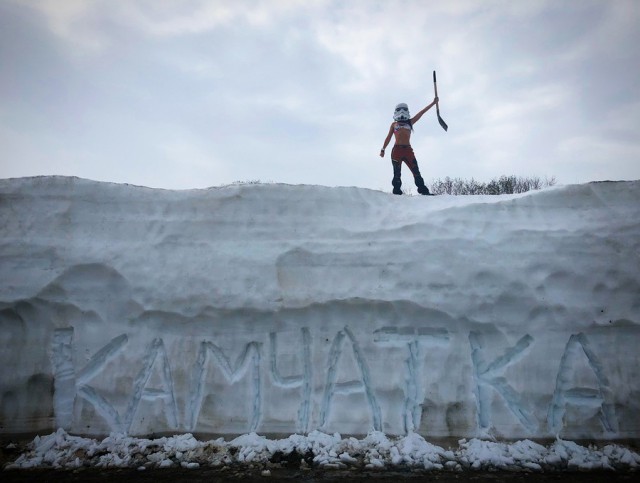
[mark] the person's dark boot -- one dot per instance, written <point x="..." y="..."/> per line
<point x="422" y="188"/>
<point x="397" y="183"/>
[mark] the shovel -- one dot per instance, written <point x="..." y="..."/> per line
<point x="435" y="88"/>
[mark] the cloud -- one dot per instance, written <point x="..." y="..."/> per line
<point x="302" y="91"/>
<point x="73" y="21"/>
<point x="609" y="147"/>
<point x="93" y="26"/>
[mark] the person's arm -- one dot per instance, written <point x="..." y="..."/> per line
<point x="386" y="141"/>
<point x="415" y="118"/>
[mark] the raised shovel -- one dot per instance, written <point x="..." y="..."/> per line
<point x="435" y="88"/>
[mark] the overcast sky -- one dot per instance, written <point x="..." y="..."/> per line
<point x="198" y="93"/>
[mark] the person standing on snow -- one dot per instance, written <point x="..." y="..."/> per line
<point x="402" y="127"/>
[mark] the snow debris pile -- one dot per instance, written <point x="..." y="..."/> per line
<point x="375" y="451"/>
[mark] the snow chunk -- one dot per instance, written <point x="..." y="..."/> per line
<point x="375" y="451"/>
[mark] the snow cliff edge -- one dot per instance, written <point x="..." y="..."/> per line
<point x="281" y="309"/>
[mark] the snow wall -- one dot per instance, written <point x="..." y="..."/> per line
<point x="282" y="309"/>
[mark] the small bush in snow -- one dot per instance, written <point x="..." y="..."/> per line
<point x="504" y="185"/>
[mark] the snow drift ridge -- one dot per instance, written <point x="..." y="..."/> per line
<point x="279" y="308"/>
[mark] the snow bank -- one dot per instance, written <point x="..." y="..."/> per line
<point x="376" y="451"/>
<point x="281" y="309"/>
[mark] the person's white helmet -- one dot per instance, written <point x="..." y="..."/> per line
<point x="401" y="113"/>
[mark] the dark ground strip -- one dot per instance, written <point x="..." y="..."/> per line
<point x="231" y="474"/>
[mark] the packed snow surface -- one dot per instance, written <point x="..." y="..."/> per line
<point x="277" y="309"/>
